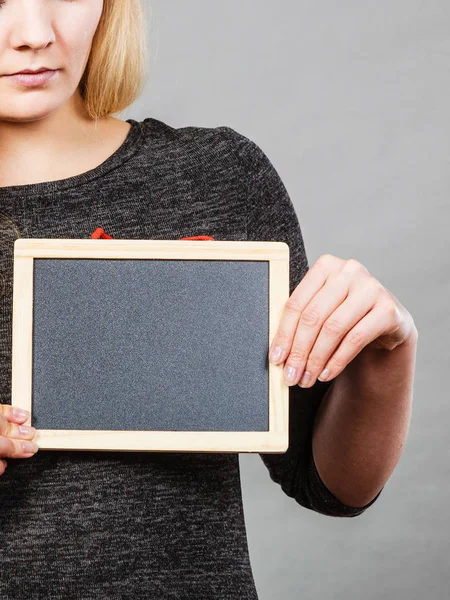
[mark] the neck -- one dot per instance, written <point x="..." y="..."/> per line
<point x="62" y="144"/>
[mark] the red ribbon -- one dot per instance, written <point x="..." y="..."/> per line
<point x="100" y="234"/>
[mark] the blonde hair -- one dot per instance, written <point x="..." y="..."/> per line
<point x="117" y="68"/>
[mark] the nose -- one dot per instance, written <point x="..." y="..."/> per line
<point x="32" y="28"/>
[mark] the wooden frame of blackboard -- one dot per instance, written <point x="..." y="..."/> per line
<point x="26" y="250"/>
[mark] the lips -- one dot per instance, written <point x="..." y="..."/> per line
<point x="31" y="72"/>
<point x="33" y="78"/>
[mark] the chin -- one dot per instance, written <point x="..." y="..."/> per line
<point x="28" y="110"/>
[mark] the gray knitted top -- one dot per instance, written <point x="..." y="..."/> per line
<point x="106" y="525"/>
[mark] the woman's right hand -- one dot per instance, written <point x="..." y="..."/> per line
<point x="15" y="443"/>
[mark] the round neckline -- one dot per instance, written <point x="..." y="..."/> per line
<point x="124" y="152"/>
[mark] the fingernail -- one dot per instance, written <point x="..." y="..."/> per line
<point x="323" y="375"/>
<point x="30" y="447"/>
<point x="289" y="374"/>
<point x="275" y="354"/>
<point x="306" y="377"/>
<point x="20" y="413"/>
<point x="25" y="429"/>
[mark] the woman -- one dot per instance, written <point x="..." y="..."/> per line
<point x="163" y="525"/>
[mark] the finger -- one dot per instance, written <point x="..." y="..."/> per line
<point x="308" y="287"/>
<point x="12" y="448"/>
<point x="8" y="428"/>
<point x="310" y="322"/>
<point x="334" y="329"/>
<point x="16" y="430"/>
<point x="13" y="413"/>
<point x="3" y="465"/>
<point x="367" y="330"/>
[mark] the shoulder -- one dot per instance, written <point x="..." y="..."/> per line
<point x="205" y="144"/>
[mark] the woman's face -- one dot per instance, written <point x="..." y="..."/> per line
<point x="56" y="34"/>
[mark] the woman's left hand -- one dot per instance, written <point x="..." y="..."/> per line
<point x="336" y="310"/>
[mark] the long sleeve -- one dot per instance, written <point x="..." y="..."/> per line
<point x="272" y="217"/>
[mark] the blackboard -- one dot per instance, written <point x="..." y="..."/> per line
<point x="150" y="344"/>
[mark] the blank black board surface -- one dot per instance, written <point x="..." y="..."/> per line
<point x="150" y="344"/>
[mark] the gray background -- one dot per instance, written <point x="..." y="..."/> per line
<point x="350" y="101"/>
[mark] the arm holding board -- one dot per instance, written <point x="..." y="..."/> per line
<point x="272" y="216"/>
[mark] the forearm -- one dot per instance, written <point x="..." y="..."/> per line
<point x="362" y="423"/>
